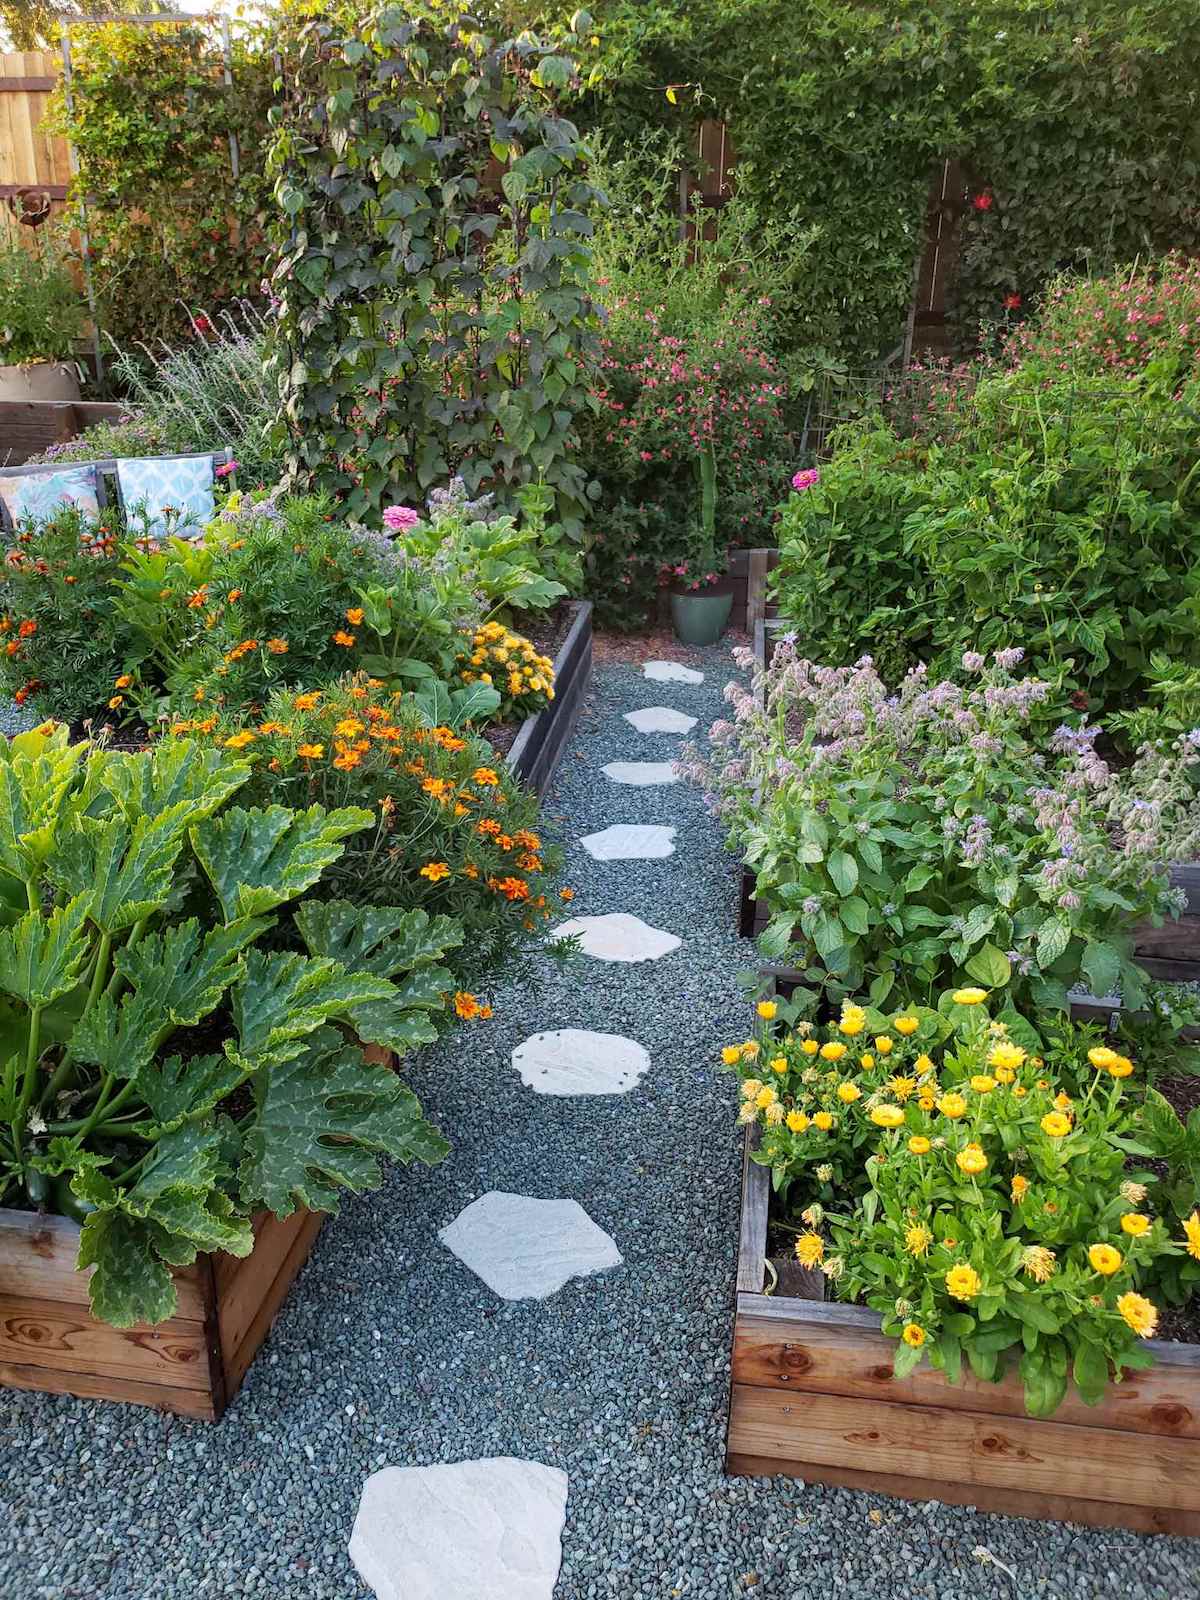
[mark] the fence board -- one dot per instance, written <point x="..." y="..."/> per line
<point x="29" y="158"/>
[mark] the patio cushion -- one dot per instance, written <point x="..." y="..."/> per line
<point x="40" y="494"/>
<point x="186" y="484"/>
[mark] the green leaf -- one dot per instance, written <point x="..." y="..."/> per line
<point x="854" y="914"/>
<point x="1054" y="936"/>
<point x="36" y="773"/>
<point x="1090" y="1371"/>
<point x="320" y="1119"/>
<point x="906" y="1360"/>
<point x="256" y="860"/>
<point x="843" y="871"/>
<point x="121" y="1037"/>
<point x="282" y="997"/>
<point x="384" y="940"/>
<point x="175" y="773"/>
<point x="129" y="868"/>
<point x="182" y="1087"/>
<point x="187" y="975"/>
<point x="42" y="958"/>
<point x="1101" y="967"/>
<point x="130" y="1284"/>
<point x="990" y="967"/>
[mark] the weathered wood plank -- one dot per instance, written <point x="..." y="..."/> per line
<point x="962" y="1447"/>
<point x="49" y="1335"/>
<point x="752" y="1237"/>
<point x="93" y="1386"/>
<point x="242" y="1283"/>
<point x="237" y="1362"/>
<point x="37" y="1259"/>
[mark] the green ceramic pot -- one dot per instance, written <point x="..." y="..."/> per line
<point x="701" y="617"/>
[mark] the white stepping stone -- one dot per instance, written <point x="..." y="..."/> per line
<point x="660" y="719"/>
<point x="471" y="1530"/>
<point x="618" y="936"/>
<point x="640" y="773"/>
<point x="527" y="1249"/>
<point x="671" y="672"/>
<point x="568" y="1061"/>
<point x="626" y="841"/>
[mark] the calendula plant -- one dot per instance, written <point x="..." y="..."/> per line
<point x="959" y="1190"/>
<point x="900" y="837"/>
<point x="166" y="1070"/>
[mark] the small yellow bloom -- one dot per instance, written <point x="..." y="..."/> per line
<point x="917" y="1239"/>
<point x="1121" y="1067"/>
<point x="971" y="1160"/>
<point x="765" y="1097"/>
<point x="1135" y="1223"/>
<point x="848" y="1093"/>
<point x="731" y="1054"/>
<point x="766" y="1010"/>
<point x="810" y="1249"/>
<point x="1105" y="1259"/>
<point x="982" y="1084"/>
<point x="1004" y="1075"/>
<point x="1056" y="1125"/>
<point x="1140" y="1314"/>
<point x="952" y="1105"/>
<point x="853" y="1021"/>
<point x="963" y="1282"/>
<point x="750" y="1049"/>
<point x="969" y="997"/>
<point x="810" y="1046"/>
<point x="913" y="1335"/>
<point x="239" y="741"/>
<point x="779" y="1066"/>
<point x="866" y="1062"/>
<point x="919" y="1144"/>
<point x="833" y="1051"/>
<point x="1102" y="1056"/>
<point x="312" y="752"/>
<point x="797" y="1121"/>
<point x="750" y="1088"/>
<point x="887" y="1116"/>
<point x="1007" y="1055"/>
<point x="884" y="1045"/>
<point x="906" y="1024"/>
<point x="823" y="1120"/>
<point x="902" y="1087"/>
<point x="435" y="871"/>
<point x="1020" y="1188"/>
<point x="923" y="1063"/>
<point x="1191" y="1229"/>
<point x="1038" y="1262"/>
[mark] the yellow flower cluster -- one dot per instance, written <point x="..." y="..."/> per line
<point x="510" y="663"/>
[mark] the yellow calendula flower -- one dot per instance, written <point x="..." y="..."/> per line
<point x="1105" y="1259"/>
<point x="774" y="1114"/>
<point x="810" y="1249"/>
<point x="919" y="1144"/>
<point x="765" y="1097"/>
<point x="982" y="1084"/>
<point x="1135" y="1224"/>
<point x="750" y="1088"/>
<point x="1120" y="1067"/>
<point x="1020" y="1091"/>
<point x="1020" y="1188"/>
<point x="823" y="1120"/>
<point x="750" y="1049"/>
<point x="1056" y="1124"/>
<point x="866" y="1062"/>
<point x="766" y="1010"/>
<point x="848" y="1093"/>
<point x="1139" y="1313"/>
<point x="1038" y="1262"/>
<point x="1191" y="1230"/>
<point x="952" y="1105"/>
<point x="1063" y="1101"/>
<point x="853" y="1020"/>
<point x="797" y="1121"/>
<point x="1004" y="1075"/>
<point x="963" y="1282"/>
<point x="917" y="1239"/>
<point x="913" y="1335"/>
<point x="887" y="1116"/>
<point x="809" y="1046"/>
<point x="906" y="1024"/>
<point x="883" y="1045"/>
<point x="969" y="997"/>
<point x="1007" y="1055"/>
<point x="833" y="1051"/>
<point x="923" y="1063"/>
<point x="971" y="1160"/>
<point x="731" y="1054"/>
<point x="779" y="1065"/>
<point x="1101" y="1056"/>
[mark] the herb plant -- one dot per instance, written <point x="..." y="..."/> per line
<point x="41" y="310"/>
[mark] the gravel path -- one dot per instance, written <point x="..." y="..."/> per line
<point x="390" y="1352"/>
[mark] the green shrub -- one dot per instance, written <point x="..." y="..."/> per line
<point x="41" y="310"/>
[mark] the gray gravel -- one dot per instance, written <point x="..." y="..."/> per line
<point x="389" y="1351"/>
<point x="15" y="718"/>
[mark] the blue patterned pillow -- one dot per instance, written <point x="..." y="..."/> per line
<point x="185" y="485"/>
<point x="40" y="494"/>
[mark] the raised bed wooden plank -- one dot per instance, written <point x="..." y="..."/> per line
<point x="197" y="1403"/>
<point x="47" y="1334"/>
<point x="307" y="1225"/>
<point x="37" y="1260"/>
<point x="538" y="747"/>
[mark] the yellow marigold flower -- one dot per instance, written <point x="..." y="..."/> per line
<point x="902" y="1087"/>
<point x="1191" y="1229"/>
<point x="1007" y="1055"/>
<point x="969" y="997"/>
<point x="810" y="1047"/>
<point x="751" y="1086"/>
<point x="884" y="1045"/>
<point x="952" y="1105"/>
<point x="917" y="1239"/>
<point x="1140" y="1314"/>
<point x="779" y="1065"/>
<point x="1102" y="1056"/>
<point x="766" y="1010"/>
<point x="1020" y="1188"/>
<point x="848" y="1093"/>
<point x="971" y="1160"/>
<point x="1038" y="1262"/>
<point x="797" y="1121"/>
<point x="1056" y="1125"/>
<point x="810" y="1249"/>
<point x="765" y="1097"/>
<point x="919" y="1144"/>
<point x="731" y="1054"/>
<point x="963" y="1282"/>
<point x="435" y="871"/>
<point x="1121" y="1067"/>
<point x="239" y="741"/>
<point x="833" y="1051"/>
<point x="913" y="1335"/>
<point x="823" y="1120"/>
<point x="1135" y="1223"/>
<point x="1105" y="1259"/>
<point x="866" y="1061"/>
<point x="906" y="1024"/>
<point x="887" y="1116"/>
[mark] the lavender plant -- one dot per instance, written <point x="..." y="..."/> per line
<point x="902" y="837"/>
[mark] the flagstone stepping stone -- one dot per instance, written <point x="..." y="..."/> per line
<point x="660" y="719"/>
<point x="468" y="1530"/>
<point x="618" y="936"/>
<point x="577" y="1061"/>
<point x="671" y="672"/>
<point x="526" y="1249"/>
<point x="626" y="841"/>
<point x="640" y="773"/>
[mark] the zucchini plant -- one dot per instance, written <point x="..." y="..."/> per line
<point x="175" y="1056"/>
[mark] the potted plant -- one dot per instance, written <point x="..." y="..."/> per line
<point x="701" y="599"/>
<point x="41" y="316"/>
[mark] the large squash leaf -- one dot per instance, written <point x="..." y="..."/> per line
<point x="42" y="958"/>
<point x="185" y="972"/>
<point x="385" y="940"/>
<point x="284" y="996"/>
<point x="130" y="1284"/>
<point x="320" y="1119"/>
<point x="36" y="772"/>
<point x="129" y="868"/>
<point x="177" y="1088"/>
<point x="121" y="1037"/>
<point x="177" y="773"/>
<point x="256" y="859"/>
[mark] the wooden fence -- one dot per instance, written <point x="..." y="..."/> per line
<point x="30" y="159"/>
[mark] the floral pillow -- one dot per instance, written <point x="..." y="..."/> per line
<point x="38" y="495"/>
<point x="152" y="487"/>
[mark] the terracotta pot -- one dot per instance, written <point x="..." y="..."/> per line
<point x="39" y="381"/>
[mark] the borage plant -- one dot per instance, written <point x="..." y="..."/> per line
<point x="165" y="1069"/>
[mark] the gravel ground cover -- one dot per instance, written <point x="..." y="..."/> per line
<point x="389" y="1351"/>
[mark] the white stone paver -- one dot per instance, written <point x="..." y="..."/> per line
<point x="470" y="1530"/>
<point x="619" y="936"/>
<point x="660" y="719"/>
<point x="526" y="1249"/>
<point x="671" y="672"/>
<point x="570" y="1061"/>
<point x="626" y="841"/>
<point x="640" y="773"/>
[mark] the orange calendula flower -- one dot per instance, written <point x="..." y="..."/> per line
<point x="435" y="871"/>
<point x="343" y="638"/>
<point x="311" y="752"/>
<point x="354" y="616"/>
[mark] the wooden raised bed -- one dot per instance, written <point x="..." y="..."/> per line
<point x="27" y="427"/>
<point x="538" y="747"/>
<point x="813" y="1395"/>
<point x="192" y="1364"/>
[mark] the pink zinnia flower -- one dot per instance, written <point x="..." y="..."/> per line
<point x="400" y="518"/>
<point x="806" y="479"/>
<point x="226" y="469"/>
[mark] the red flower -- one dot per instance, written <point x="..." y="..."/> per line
<point x="1079" y="700"/>
<point x="203" y="325"/>
<point x="983" y="202"/>
<point x="1012" y="302"/>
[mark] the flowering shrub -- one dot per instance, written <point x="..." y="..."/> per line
<point x="899" y="838"/>
<point x="969" y="1191"/>
<point x="453" y="833"/>
<point x="524" y="679"/>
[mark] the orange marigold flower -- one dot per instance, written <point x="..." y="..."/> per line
<point x="435" y="871"/>
<point x="466" y="1004"/>
<point x="234" y="596"/>
<point x="12" y="647"/>
<point x="196" y="599"/>
<point x="470" y="870"/>
<point x="513" y="888"/>
<point x="488" y="825"/>
<point x="485" y="775"/>
<point x="123" y="681"/>
<point x="117" y="700"/>
<point x="239" y="741"/>
<point x="528" y="862"/>
<point x="207" y="725"/>
<point x="354" y="616"/>
<point x="503" y="842"/>
<point x="277" y="647"/>
<point x="347" y="761"/>
<point x="27" y="629"/>
<point x="566" y="894"/>
<point x="307" y="702"/>
<point x="280" y="728"/>
<point x="343" y="638"/>
<point x="438" y="787"/>
<point x="198" y="694"/>
<point x="311" y="752"/>
<point x="527" y="840"/>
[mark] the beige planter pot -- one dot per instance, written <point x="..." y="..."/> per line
<point x="39" y="381"/>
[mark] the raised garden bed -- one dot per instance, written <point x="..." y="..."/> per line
<point x="813" y="1395"/>
<point x="27" y="427"/>
<point x="537" y="749"/>
<point x="192" y="1364"/>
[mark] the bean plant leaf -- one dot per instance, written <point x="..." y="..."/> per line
<point x="384" y="940"/>
<point x="42" y="958"/>
<point x="129" y="868"/>
<point x="320" y="1120"/>
<point x="185" y="972"/>
<point x="284" y="996"/>
<point x="256" y="860"/>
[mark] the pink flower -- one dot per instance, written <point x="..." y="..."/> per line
<point x="806" y="479"/>
<point x="400" y="518"/>
<point x="226" y="470"/>
<point x="983" y="202"/>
